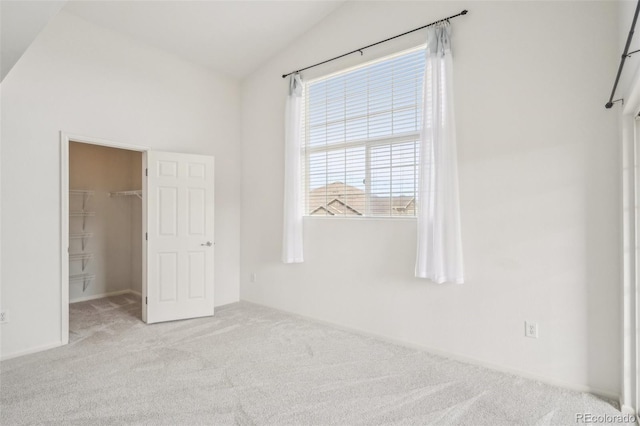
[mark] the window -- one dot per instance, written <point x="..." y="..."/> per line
<point x="361" y="131"/>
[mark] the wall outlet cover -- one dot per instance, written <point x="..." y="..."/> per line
<point x="531" y="329"/>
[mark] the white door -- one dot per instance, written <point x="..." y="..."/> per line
<point x="179" y="246"/>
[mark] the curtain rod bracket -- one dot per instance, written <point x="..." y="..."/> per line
<point x="610" y="103"/>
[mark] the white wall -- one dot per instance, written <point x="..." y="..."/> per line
<point x="84" y="80"/>
<point x="539" y="192"/>
<point x="117" y="234"/>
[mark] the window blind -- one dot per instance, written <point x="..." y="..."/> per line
<point x="361" y="132"/>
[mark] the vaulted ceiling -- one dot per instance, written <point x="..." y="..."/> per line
<point x="231" y="37"/>
<point x="20" y="24"/>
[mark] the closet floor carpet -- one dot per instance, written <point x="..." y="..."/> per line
<point x="251" y="365"/>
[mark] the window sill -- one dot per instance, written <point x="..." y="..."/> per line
<point x="363" y="218"/>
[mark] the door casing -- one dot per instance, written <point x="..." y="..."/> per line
<point x="630" y="250"/>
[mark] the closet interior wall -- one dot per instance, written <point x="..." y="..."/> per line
<point x="116" y="226"/>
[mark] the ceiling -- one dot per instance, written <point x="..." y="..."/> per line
<point x="20" y="24"/>
<point x="231" y="37"/>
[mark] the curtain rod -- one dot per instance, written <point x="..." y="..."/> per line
<point x="464" y="12"/>
<point x="625" y="55"/>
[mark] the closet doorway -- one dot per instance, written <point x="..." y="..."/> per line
<point x="136" y="222"/>
<point x="105" y="230"/>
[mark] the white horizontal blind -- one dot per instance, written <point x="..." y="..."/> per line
<point x="361" y="133"/>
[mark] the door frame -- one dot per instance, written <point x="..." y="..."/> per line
<point x="65" y="138"/>
<point x="630" y="249"/>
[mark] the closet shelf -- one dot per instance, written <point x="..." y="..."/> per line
<point x="85" y="278"/>
<point x="81" y="256"/>
<point x="81" y="235"/>
<point x="83" y="192"/>
<point x="79" y="277"/>
<point x="137" y="193"/>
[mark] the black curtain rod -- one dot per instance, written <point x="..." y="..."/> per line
<point x="464" y="12"/>
<point x="625" y="55"/>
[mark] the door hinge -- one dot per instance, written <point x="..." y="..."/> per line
<point x="146" y="236"/>
<point x="146" y="300"/>
<point x="146" y="172"/>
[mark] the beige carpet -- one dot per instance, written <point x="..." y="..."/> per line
<point x="253" y="365"/>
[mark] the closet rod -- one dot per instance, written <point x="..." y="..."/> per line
<point x="625" y="55"/>
<point x="464" y="12"/>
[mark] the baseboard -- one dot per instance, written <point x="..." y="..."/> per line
<point x="60" y="343"/>
<point x="227" y="305"/>
<point x="457" y="357"/>
<point x="31" y="351"/>
<point x="626" y="409"/>
<point x="101" y="295"/>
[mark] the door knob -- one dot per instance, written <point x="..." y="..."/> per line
<point x="208" y="244"/>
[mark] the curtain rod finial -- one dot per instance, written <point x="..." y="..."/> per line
<point x="464" y="12"/>
<point x="608" y="105"/>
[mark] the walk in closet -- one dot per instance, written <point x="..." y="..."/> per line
<point x="105" y="221"/>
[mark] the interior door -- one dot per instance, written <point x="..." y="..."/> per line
<point x="179" y="241"/>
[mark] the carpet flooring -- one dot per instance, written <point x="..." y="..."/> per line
<point x="251" y="365"/>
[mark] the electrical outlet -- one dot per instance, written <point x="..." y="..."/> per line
<point x="531" y="329"/>
<point x="254" y="277"/>
<point x="4" y="317"/>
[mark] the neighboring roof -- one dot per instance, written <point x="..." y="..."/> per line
<point x="319" y="209"/>
<point x="340" y="199"/>
<point x="411" y="205"/>
<point x="351" y="200"/>
<point x="335" y="201"/>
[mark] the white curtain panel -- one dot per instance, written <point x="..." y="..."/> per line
<point x="439" y="253"/>
<point x="292" y="250"/>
